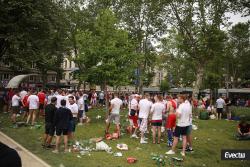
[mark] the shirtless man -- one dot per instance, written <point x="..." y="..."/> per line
<point x="171" y="119"/>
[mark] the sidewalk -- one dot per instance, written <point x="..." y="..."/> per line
<point x="28" y="159"/>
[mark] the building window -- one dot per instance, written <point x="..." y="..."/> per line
<point x="33" y="65"/>
<point x="6" y="76"/>
<point x="7" y="64"/>
<point x="31" y="78"/>
<point x="65" y="64"/>
<point x="53" y="78"/>
<point x="70" y="63"/>
<point x="64" y="76"/>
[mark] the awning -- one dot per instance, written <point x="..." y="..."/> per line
<point x="15" y="82"/>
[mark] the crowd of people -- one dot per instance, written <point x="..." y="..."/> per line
<point x="63" y="110"/>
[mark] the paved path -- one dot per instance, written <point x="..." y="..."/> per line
<point x="28" y="159"/>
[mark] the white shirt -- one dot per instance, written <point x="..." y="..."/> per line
<point x="133" y="104"/>
<point x="85" y="96"/>
<point x="157" y="109"/>
<point x="145" y="106"/>
<point x="22" y="94"/>
<point x="101" y="95"/>
<point x="220" y="103"/>
<point x="15" y="100"/>
<point x="58" y="101"/>
<point x="116" y="102"/>
<point x="49" y="98"/>
<point x="191" y="116"/>
<point x="80" y="103"/>
<point x="73" y="108"/>
<point x="33" y="101"/>
<point x="185" y="111"/>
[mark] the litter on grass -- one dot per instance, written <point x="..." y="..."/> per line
<point x="194" y="127"/>
<point x="122" y="146"/>
<point x="138" y="148"/>
<point x="131" y="160"/>
<point x="212" y="116"/>
<point x="118" y="154"/>
<point x="98" y="117"/>
<point x="102" y="146"/>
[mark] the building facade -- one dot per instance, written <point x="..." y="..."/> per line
<point x="7" y="73"/>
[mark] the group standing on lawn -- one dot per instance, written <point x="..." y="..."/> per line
<point x="63" y="110"/>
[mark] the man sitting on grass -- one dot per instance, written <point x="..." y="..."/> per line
<point x="243" y="131"/>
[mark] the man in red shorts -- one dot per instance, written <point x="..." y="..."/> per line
<point x="133" y="114"/>
<point x="171" y="119"/>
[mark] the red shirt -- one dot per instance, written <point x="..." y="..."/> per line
<point x="41" y="97"/>
<point x="25" y="101"/>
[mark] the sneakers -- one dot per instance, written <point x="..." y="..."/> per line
<point x="182" y="154"/>
<point x="143" y="142"/>
<point x="189" y="149"/>
<point x="134" y="136"/>
<point x="170" y="143"/>
<point x="170" y="152"/>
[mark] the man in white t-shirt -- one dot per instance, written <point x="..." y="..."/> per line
<point x="114" y="114"/>
<point x="74" y="110"/>
<point x="144" y="110"/>
<point x="184" y="115"/>
<point x="60" y="97"/>
<point x="33" y="102"/>
<point x="15" y="104"/>
<point x="101" y="98"/>
<point x="81" y="107"/>
<point x="220" y="103"/>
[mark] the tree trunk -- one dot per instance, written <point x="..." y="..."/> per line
<point x="58" y="78"/>
<point x="84" y="86"/>
<point x="198" y="81"/>
<point x="44" y="79"/>
<point x="79" y="84"/>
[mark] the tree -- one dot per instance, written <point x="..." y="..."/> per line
<point x="238" y="54"/>
<point x="106" y="51"/>
<point x="143" y="19"/>
<point x="164" y="87"/>
<point x="199" y="37"/>
<point x="33" y="32"/>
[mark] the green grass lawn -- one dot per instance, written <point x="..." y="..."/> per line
<point x="212" y="136"/>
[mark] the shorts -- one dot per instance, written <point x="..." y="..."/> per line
<point x="156" y="123"/>
<point x="189" y="129"/>
<point x="72" y="125"/>
<point x="180" y="131"/>
<point x="41" y="106"/>
<point x="114" y="117"/>
<point x="219" y="110"/>
<point x="133" y="120"/>
<point x="60" y="131"/>
<point x="49" y="129"/>
<point x="26" y="109"/>
<point x="101" y="101"/>
<point x="81" y="114"/>
<point x="143" y="124"/>
<point x="171" y="121"/>
<point x="15" y="109"/>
